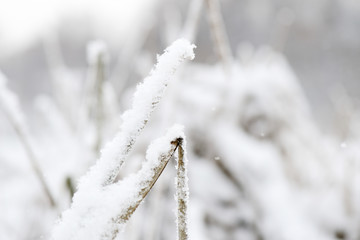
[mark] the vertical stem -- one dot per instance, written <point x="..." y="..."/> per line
<point x="70" y="186"/>
<point x="146" y="185"/>
<point x="99" y="82"/>
<point x="182" y="196"/>
<point x="218" y="31"/>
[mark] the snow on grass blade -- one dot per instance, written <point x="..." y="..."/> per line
<point x="100" y="207"/>
<point x="102" y="214"/>
<point x="147" y="96"/>
<point x="158" y="155"/>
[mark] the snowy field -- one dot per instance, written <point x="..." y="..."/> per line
<point x="146" y="121"/>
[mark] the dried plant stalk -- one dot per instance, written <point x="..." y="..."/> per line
<point x="218" y="31"/>
<point x="182" y="192"/>
<point x="101" y="207"/>
<point x="147" y="184"/>
<point x="100" y="79"/>
<point x="9" y="104"/>
<point x="34" y="162"/>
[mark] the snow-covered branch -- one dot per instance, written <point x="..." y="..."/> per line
<point x="100" y="207"/>
<point x="147" y="96"/>
<point x="102" y="214"/>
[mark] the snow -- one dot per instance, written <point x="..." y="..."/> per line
<point x="260" y="168"/>
<point x="182" y="191"/>
<point x="98" y="203"/>
<point x="146" y="97"/>
<point x="96" y="213"/>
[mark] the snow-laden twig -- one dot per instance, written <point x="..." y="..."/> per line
<point x="102" y="214"/>
<point x="147" y="96"/>
<point x="100" y="207"/>
<point x="182" y="192"/>
<point x="10" y="106"/>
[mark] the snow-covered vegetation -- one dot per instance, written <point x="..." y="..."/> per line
<point x="104" y="154"/>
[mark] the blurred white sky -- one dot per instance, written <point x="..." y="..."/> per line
<point x="24" y="21"/>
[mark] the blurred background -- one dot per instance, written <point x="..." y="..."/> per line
<point x="319" y="38"/>
<point x="276" y="159"/>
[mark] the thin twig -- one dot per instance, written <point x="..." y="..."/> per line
<point x="20" y="132"/>
<point x="219" y="35"/>
<point x="192" y="20"/>
<point x="226" y="171"/>
<point x="240" y="188"/>
<point x="182" y="195"/>
<point x="99" y="83"/>
<point x="147" y="186"/>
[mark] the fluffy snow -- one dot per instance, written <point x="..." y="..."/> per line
<point x="95" y="214"/>
<point x="146" y="97"/>
<point x="260" y="168"/>
<point x="97" y="204"/>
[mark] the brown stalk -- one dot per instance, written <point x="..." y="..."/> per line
<point x="182" y="196"/>
<point x="164" y="159"/>
<point x="220" y="39"/>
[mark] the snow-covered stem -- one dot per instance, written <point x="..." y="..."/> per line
<point x="101" y="207"/>
<point x="219" y="35"/>
<point x="182" y="192"/>
<point x="10" y="106"/>
<point x="102" y="213"/>
<point x="97" y="59"/>
<point x="100" y="78"/>
<point x="146" y="98"/>
<point x="146" y="184"/>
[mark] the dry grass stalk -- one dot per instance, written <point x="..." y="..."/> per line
<point x="218" y="31"/>
<point x="147" y="185"/>
<point x="99" y="83"/>
<point x="182" y="193"/>
<point x="20" y="132"/>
